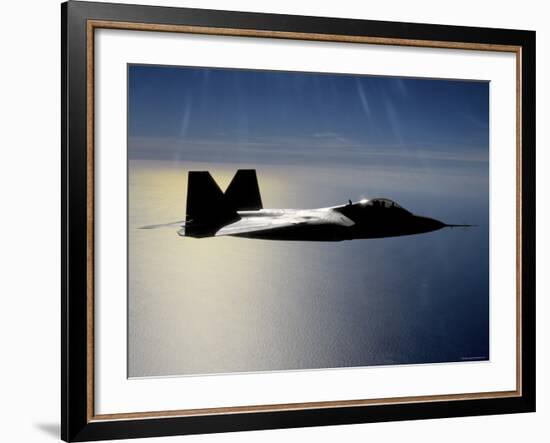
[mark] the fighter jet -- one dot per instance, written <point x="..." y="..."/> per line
<point x="239" y="212"/>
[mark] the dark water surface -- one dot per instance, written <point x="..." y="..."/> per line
<point x="220" y="305"/>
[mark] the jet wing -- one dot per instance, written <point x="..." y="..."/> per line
<point x="256" y="224"/>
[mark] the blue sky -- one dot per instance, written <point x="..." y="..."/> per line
<point x="207" y="114"/>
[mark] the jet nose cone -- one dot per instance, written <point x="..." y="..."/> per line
<point x="429" y="224"/>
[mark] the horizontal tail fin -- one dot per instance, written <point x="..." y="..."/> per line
<point x="243" y="193"/>
<point x="178" y="223"/>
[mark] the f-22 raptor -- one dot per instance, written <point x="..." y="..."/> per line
<point x="239" y="212"/>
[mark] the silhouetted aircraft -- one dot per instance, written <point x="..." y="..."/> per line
<point x="239" y="212"/>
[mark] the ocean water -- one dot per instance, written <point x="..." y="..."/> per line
<point x="223" y="305"/>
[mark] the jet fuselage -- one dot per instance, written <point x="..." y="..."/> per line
<point x="353" y="221"/>
<point x="325" y="224"/>
<point x="238" y="212"/>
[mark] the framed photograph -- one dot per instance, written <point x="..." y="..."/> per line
<point x="277" y="221"/>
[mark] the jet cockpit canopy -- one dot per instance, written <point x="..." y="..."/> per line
<point x="382" y="203"/>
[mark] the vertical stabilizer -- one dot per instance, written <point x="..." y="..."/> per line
<point x="243" y="193"/>
<point x="207" y="207"/>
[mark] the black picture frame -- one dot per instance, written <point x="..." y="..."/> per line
<point x="77" y="423"/>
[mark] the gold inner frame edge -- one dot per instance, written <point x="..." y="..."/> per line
<point x="90" y="109"/>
